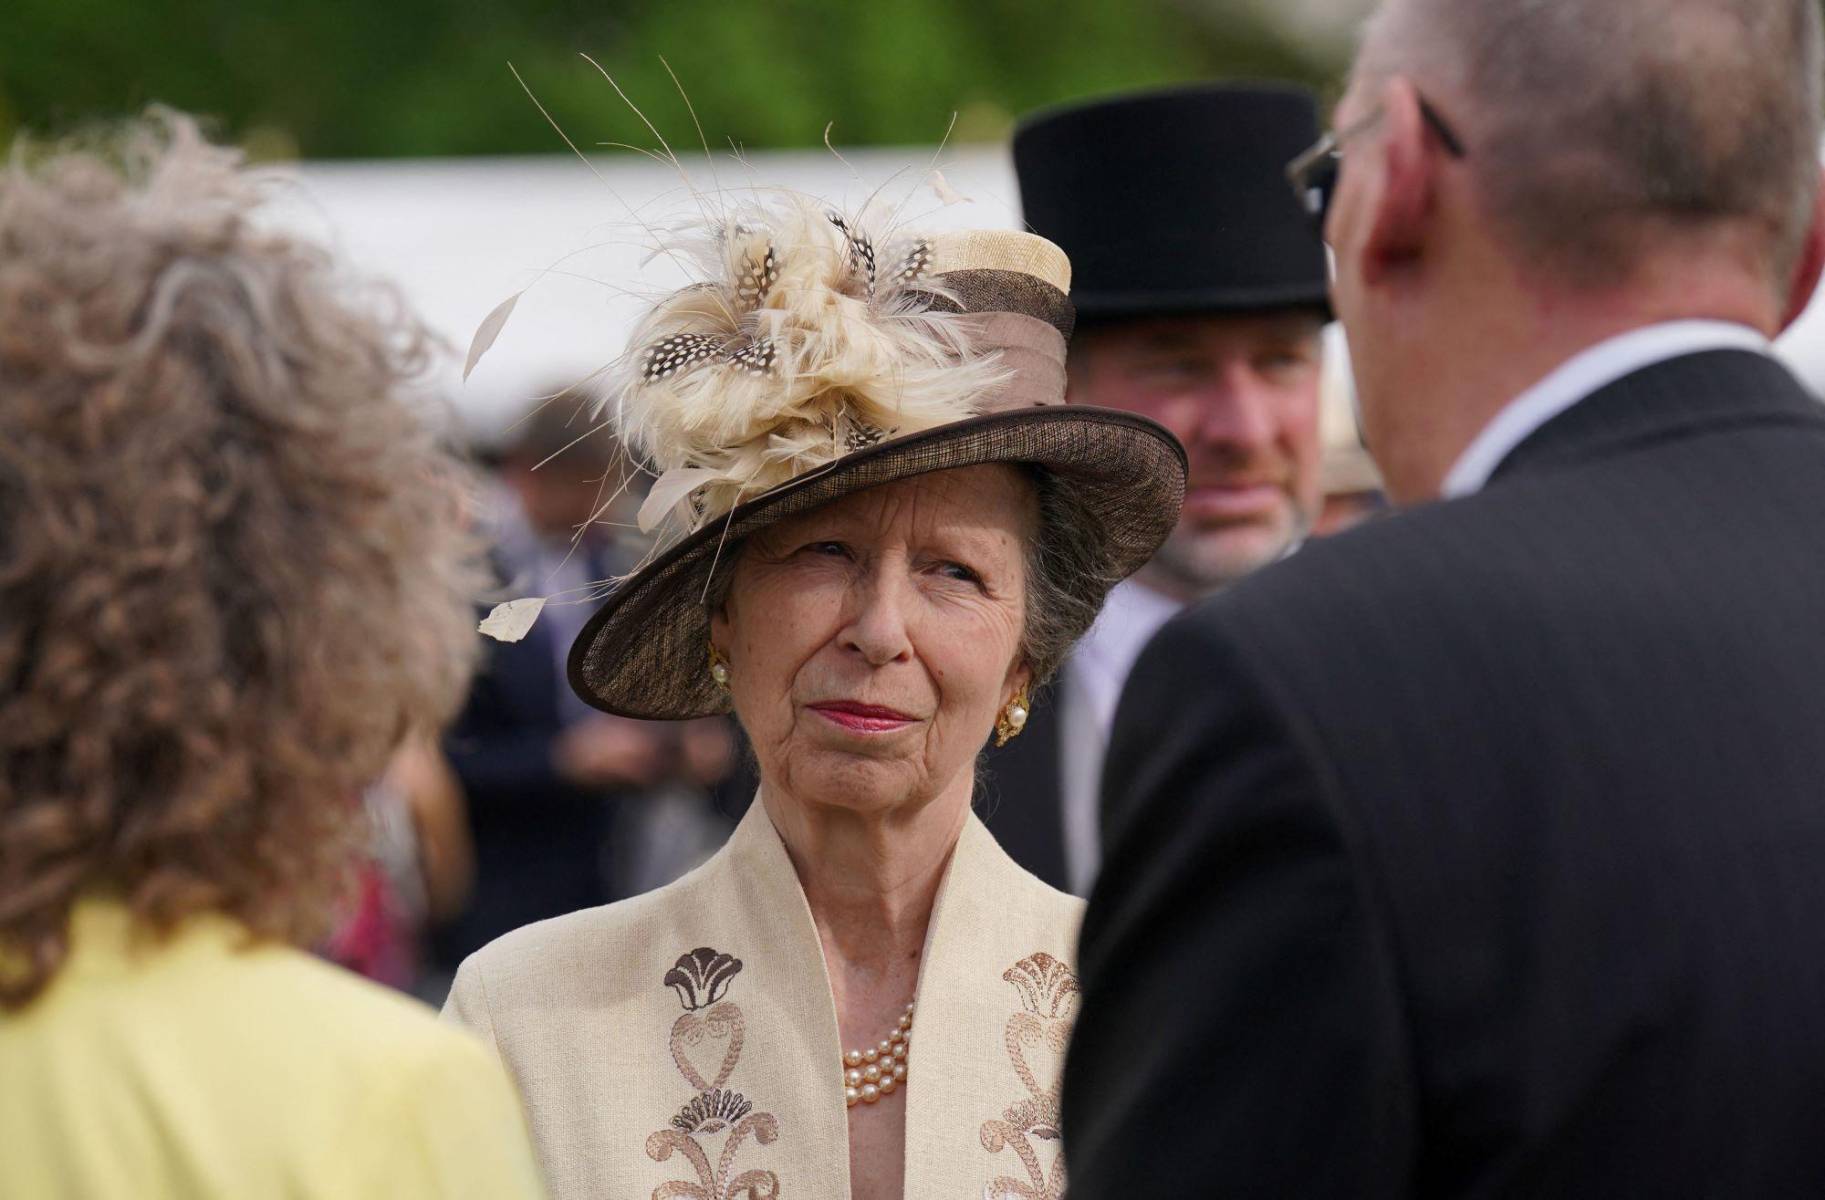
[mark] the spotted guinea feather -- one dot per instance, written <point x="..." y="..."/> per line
<point x="788" y="351"/>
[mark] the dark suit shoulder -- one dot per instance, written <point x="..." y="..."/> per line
<point x="1658" y="543"/>
<point x="1364" y="602"/>
<point x="1549" y="754"/>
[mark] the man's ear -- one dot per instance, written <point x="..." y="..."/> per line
<point x="1402" y="178"/>
<point x="1811" y="265"/>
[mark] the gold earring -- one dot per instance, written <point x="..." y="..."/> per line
<point x="1013" y="718"/>
<point x="719" y="668"/>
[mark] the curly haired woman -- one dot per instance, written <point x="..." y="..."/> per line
<point x="232" y="573"/>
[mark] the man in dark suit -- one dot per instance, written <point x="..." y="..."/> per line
<point x="1200" y="293"/>
<point x="1481" y="851"/>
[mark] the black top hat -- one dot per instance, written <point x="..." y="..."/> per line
<point x="1176" y="200"/>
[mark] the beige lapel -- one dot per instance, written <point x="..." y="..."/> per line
<point x="995" y="1005"/>
<point x="769" y="1034"/>
<point x="754" y="1048"/>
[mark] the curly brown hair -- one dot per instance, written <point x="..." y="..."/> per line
<point x="235" y="560"/>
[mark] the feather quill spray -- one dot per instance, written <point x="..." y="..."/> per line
<point x="799" y="342"/>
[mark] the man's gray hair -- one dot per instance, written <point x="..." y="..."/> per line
<point x="1595" y="124"/>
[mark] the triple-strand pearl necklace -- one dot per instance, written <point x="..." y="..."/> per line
<point x="879" y="1070"/>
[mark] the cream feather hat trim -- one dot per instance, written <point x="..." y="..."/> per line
<point x="804" y="339"/>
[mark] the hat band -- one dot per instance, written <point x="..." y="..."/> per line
<point x="1032" y="351"/>
<point x="991" y="291"/>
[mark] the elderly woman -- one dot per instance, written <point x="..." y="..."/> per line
<point x="892" y="529"/>
<point x="232" y="573"/>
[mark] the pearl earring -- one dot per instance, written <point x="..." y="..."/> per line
<point x="719" y="669"/>
<point x="1013" y="718"/>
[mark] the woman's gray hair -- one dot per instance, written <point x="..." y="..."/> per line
<point x="1069" y="575"/>
<point x="1595" y="124"/>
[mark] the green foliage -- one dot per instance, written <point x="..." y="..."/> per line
<point x="345" y="78"/>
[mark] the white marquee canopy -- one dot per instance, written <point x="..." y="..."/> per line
<point x="460" y="236"/>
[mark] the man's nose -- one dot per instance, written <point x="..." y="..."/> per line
<point x="1236" y="414"/>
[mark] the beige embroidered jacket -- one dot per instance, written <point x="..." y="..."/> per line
<point x="684" y="1044"/>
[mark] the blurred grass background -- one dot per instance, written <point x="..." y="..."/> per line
<point x="422" y="78"/>
<point x="395" y="85"/>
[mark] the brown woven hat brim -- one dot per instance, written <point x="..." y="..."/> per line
<point x="645" y="652"/>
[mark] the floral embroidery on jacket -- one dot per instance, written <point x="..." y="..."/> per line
<point x="1036" y="1038"/>
<point x="714" y="1025"/>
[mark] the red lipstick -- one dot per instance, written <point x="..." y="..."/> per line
<point x="862" y="718"/>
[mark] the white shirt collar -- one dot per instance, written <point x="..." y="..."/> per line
<point x="1087" y="695"/>
<point x="1582" y="375"/>
<point x="1107" y="653"/>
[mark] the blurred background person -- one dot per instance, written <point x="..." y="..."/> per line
<point x="1349" y="478"/>
<point x="443" y="854"/>
<point x="418" y="870"/>
<point x="568" y="807"/>
<point x="1201" y="298"/>
<point x="541" y="771"/>
<point x="680" y="822"/>
<point x="1494" y="865"/>
<point x="233" y="571"/>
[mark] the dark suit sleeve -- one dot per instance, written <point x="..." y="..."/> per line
<point x="501" y="755"/>
<point x="515" y="765"/>
<point x="1240" y="1033"/>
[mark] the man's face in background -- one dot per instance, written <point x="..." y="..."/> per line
<point x="558" y="499"/>
<point x="1241" y="392"/>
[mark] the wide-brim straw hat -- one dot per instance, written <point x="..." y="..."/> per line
<point x="981" y="319"/>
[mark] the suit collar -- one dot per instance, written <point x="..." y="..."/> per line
<point x="1676" y="398"/>
<point x="1584" y="374"/>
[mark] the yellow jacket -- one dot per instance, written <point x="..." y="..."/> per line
<point x="209" y="1066"/>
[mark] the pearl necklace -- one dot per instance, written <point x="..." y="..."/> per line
<point x="879" y="1070"/>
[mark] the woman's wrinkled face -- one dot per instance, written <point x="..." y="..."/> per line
<point x="872" y="642"/>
